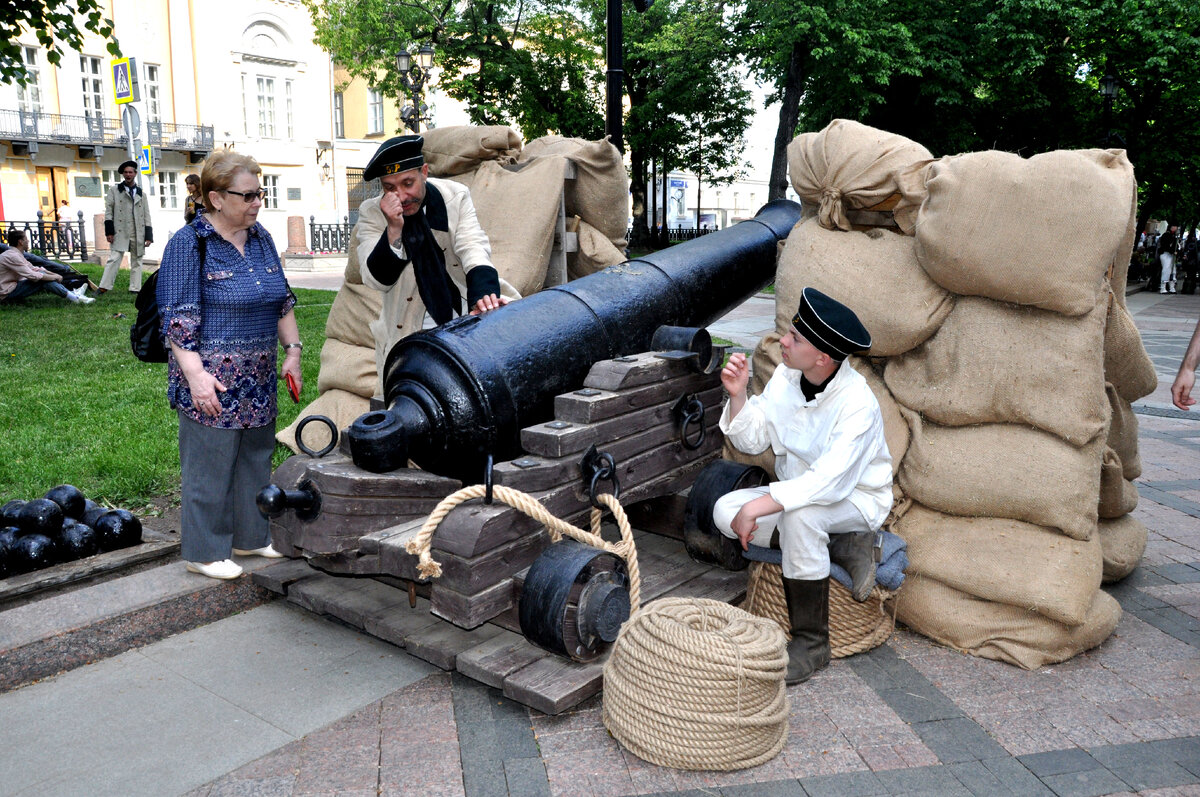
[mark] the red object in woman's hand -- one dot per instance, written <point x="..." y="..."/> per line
<point x="293" y="388"/>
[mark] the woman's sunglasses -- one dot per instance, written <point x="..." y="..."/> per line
<point x="249" y="196"/>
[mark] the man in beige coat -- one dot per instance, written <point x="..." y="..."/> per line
<point x="420" y="244"/>
<point x="127" y="228"/>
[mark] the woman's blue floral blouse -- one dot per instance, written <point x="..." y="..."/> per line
<point x="226" y="309"/>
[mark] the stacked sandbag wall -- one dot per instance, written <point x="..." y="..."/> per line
<point x="1004" y="364"/>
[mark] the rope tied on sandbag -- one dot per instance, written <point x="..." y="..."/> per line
<point x="832" y="211"/>
<point x="523" y="502"/>
<point x="694" y="683"/>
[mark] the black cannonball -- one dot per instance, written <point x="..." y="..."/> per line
<point x="69" y="498"/>
<point x="8" y="512"/>
<point x="92" y="513"/>
<point x="131" y="527"/>
<point x="8" y="536"/>
<point x="40" y="516"/>
<point x="32" y="552"/>
<point x="77" y="542"/>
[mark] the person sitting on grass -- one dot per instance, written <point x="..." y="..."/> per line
<point x="20" y="278"/>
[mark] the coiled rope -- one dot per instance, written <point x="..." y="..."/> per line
<point x="697" y="684"/>
<point x="526" y="503"/>
<point x="690" y="683"/>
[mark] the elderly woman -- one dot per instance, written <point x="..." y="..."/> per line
<point x="194" y="204"/>
<point x="225" y="307"/>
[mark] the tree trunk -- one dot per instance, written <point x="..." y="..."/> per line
<point x="639" y="238"/>
<point x="789" y="115"/>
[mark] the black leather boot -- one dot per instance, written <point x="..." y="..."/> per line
<point x="808" y="615"/>
<point x="855" y="552"/>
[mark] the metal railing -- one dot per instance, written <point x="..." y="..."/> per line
<point x="54" y="239"/>
<point x="100" y="130"/>
<point x="329" y="237"/>
<point x="674" y="234"/>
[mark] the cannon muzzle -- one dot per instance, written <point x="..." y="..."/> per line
<point x="463" y="391"/>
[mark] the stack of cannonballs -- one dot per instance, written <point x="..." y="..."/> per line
<point x="517" y="191"/>
<point x="62" y="526"/>
<point x="1004" y="361"/>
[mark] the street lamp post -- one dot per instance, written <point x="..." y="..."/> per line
<point x="1108" y="90"/>
<point x="414" y="77"/>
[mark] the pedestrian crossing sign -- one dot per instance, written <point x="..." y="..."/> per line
<point x="144" y="162"/>
<point x="125" y="80"/>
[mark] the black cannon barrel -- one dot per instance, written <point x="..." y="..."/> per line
<point x="465" y="390"/>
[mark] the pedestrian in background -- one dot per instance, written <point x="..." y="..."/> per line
<point x="226" y="308"/>
<point x="65" y="217"/>
<point x="1168" y="243"/>
<point x="127" y="228"/>
<point x="194" y="204"/>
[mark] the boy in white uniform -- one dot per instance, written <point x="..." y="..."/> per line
<point x="834" y="471"/>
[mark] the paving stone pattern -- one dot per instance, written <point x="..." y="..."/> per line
<point x="909" y="717"/>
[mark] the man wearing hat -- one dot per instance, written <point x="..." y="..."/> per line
<point x="834" y="471"/>
<point x="127" y="228"/>
<point x="420" y="243"/>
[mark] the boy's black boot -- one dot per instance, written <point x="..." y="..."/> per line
<point x="855" y="552"/>
<point x="808" y="616"/>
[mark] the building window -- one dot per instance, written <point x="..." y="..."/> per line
<point x="266" y="106"/>
<point x="29" y="97"/>
<point x="375" y="112"/>
<point x="287" y="94"/>
<point x="93" y="86"/>
<point x="153" y="108"/>
<point x="168" y="196"/>
<point x="270" y="186"/>
<point x="339" y="115"/>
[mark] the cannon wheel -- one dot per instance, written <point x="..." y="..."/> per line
<point x="704" y="542"/>
<point x="574" y="600"/>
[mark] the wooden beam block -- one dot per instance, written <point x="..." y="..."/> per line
<point x="396" y="624"/>
<point x="440" y="644"/>
<point x="589" y="409"/>
<point x="472" y="611"/>
<point x="662" y="515"/>
<point x="279" y="576"/>
<point x="493" y="661"/>
<point x="635" y="370"/>
<point x="554" y="684"/>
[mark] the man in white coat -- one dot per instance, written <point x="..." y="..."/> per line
<point x="420" y="243"/>
<point x="834" y="471"/>
<point x="127" y="228"/>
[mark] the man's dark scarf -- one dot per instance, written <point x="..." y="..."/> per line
<point x="438" y="292"/>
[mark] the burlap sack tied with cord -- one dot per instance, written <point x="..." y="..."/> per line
<point x="849" y="165"/>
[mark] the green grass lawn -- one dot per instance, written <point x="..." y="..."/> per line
<point x="79" y="408"/>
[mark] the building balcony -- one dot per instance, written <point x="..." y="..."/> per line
<point x="98" y="131"/>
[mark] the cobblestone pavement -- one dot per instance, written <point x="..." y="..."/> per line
<point x="909" y="717"/>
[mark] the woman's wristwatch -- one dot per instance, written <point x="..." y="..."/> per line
<point x="296" y="345"/>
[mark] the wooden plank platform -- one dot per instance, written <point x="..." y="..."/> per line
<point x="492" y="653"/>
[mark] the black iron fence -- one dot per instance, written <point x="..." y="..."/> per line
<point x="56" y="240"/>
<point x="329" y="237"/>
<point x="674" y="234"/>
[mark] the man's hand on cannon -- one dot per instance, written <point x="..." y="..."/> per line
<point x="489" y="303"/>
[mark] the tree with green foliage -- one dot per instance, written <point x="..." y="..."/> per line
<point x="56" y="24"/>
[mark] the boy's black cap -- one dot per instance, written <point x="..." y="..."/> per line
<point x="830" y="326"/>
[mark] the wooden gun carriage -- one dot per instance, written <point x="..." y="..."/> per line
<point x="610" y="386"/>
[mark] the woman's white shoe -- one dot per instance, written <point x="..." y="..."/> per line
<point x="224" y="569"/>
<point x="267" y="551"/>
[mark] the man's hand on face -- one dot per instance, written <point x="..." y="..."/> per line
<point x="393" y="211"/>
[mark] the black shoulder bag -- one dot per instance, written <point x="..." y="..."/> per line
<point x="144" y="336"/>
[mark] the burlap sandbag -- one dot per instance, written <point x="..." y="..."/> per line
<point x="345" y="366"/>
<point x="596" y="252"/>
<point x="353" y="273"/>
<point x="850" y="165"/>
<point x="1123" y="433"/>
<point x="994" y="362"/>
<point x="1123" y="541"/>
<point x="997" y="630"/>
<point x="1003" y="470"/>
<point x="459" y="149"/>
<point x="874" y="273"/>
<point x="599" y="194"/>
<point x="521" y="239"/>
<point x="350" y="317"/>
<point x="339" y="406"/>
<point x="1040" y="232"/>
<point x="1006" y="561"/>
<point x="895" y="428"/>
<point x="767" y="357"/>
<point x="1118" y="496"/>
<point x="1126" y="363"/>
<point x="1119" y="277"/>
